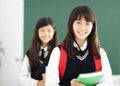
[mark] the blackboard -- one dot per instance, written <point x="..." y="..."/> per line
<point x="106" y="11"/>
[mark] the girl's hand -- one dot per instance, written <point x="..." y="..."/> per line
<point x="43" y="76"/>
<point x="74" y="83"/>
<point x="41" y="83"/>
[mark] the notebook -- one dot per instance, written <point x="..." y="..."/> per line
<point x="90" y="79"/>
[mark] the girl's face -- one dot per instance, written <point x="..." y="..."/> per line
<point x="82" y="29"/>
<point x="46" y="34"/>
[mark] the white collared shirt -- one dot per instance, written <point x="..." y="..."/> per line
<point x="52" y="74"/>
<point x="83" y="47"/>
<point x="25" y="72"/>
<point x="45" y="49"/>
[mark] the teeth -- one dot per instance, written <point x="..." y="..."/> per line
<point x="81" y="33"/>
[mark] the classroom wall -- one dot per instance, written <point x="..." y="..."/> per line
<point x="11" y="41"/>
<point x="107" y="13"/>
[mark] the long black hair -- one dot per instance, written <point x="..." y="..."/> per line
<point x="89" y="16"/>
<point x="36" y="42"/>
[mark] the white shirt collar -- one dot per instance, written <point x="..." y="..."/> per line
<point x="83" y="47"/>
<point x="45" y="48"/>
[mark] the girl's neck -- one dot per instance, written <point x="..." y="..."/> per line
<point x="44" y="45"/>
<point x="80" y="42"/>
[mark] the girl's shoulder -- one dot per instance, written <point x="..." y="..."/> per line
<point x="102" y="50"/>
<point x="56" y="49"/>
<point x="103" y="53"/>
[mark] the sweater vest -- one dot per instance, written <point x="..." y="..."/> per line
<point x="64" y="57"/>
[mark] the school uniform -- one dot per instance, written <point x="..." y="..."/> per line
<point x="83" y="63"/>
<point x="29" y="75"/>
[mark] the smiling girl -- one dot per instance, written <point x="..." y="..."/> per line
<point x="83" y="51"/>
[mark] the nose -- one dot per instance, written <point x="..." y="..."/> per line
<point x="46" y="33"/>
<point x="82" y="27"/>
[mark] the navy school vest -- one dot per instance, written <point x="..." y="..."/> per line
<point x="64" y="57"/>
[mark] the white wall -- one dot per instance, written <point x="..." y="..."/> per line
<point x="11" y="37"/>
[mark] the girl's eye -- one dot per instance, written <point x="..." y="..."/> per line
<point x="78" y="22"/>
<point x="42" y="30"/>
<point x="88" y="23"/>
<point x="49" y="31"/>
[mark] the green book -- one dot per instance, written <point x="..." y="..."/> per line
<point x="90" y="79"/>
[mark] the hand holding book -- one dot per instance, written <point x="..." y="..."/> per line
<point x="90" y="79"/>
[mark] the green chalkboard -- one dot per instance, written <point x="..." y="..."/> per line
<point x="107" y="13"/>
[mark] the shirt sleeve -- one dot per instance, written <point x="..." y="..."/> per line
<point x="52" y="72"/>
<point x="25" y="74"/>
<point x="107" y="78"/>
